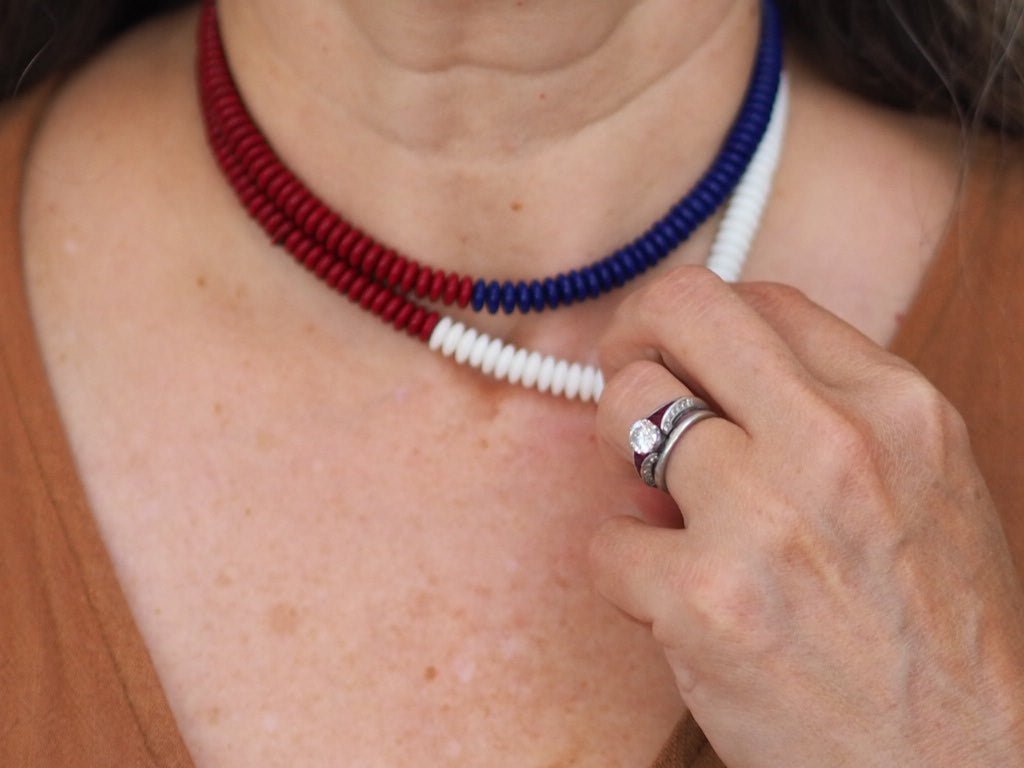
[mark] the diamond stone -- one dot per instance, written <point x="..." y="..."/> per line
<point x="644" y="436"/>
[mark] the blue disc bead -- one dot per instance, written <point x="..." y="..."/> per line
<point x="479" y="295"/>
<point x="508" y="298"/>
<point x="579" y="287"/>
<point x="493" y="297"/>
<point x="537" y="295"/>
<point x="552" y="293"/>
<point x="523" y="298"/>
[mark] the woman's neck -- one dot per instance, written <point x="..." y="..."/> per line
<point x="507" y="138"/>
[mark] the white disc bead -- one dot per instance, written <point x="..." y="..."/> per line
<point x="558" y="377"/>
<point x="504" y="362"/>
<point x="532" y="369"/>
<point x="476" y="356"/>
<point x="587" y="383"/>
<point x="491" y="356"/>
<point x="439" y="334"/>
<point x="547" y="370"/>
<point x="465" y="345"/>
<point x="572" y="380"/>
<point x="515" y="371"/>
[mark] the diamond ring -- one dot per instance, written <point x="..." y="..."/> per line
<point x="650" y="438"/>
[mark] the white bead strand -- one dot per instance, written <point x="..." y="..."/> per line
<point x="520" y="366"/>
<point x="743" y="213"/>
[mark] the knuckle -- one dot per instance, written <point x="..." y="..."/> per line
<point x="694" y="288"/>
<point x="603" y="547"/>
<point x="921" y="415"/>
<point x="771" y="295"/>
<point x="726" y="601"/>
<point x="845" y="449"/>
<point x="641" y="321"/>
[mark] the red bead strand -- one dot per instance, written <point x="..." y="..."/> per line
<point x="293" y="217"/>
<point x="338" y="253"/>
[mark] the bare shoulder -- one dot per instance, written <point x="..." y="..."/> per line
<point x="118" y="149"/>
<point x="117" y="138"/>
<point x="861" y="202"/>
<point x="136" y="82"/>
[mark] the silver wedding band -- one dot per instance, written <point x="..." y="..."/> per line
<point x="653" y="438"/>
<point x="688" y="422"/>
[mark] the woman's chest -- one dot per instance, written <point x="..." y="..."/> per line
<point x="380" y="570"/>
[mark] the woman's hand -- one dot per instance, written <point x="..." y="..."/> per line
<point x="842" y="593"/>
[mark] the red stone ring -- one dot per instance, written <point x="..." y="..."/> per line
<point x="647" y="436"/>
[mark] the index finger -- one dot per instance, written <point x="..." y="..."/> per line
<point x="715" y="343"/>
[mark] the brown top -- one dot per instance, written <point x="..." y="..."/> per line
<point x="78" y="683"/>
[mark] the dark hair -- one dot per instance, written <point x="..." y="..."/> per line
<point x="41" y="37"/>
<point x="963" y="58"/>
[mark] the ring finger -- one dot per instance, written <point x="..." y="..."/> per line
<point x="701" y="466"/>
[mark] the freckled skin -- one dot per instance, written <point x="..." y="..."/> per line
<point x="283" y="619"/>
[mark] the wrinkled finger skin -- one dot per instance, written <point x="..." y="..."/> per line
<point x="842" y="593"/>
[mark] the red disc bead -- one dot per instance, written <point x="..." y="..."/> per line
<point x="383" y="268"/>
<point x="371" y="259"/>
<point x="451" y="289"/>
<point x="305" y="209"/>
<point x="323" y="265"/>
<point x="428" y="326"/>
<point x="465" y="291"/>
<point x="409" y="275"/>
<point x="437" y="285"/>
<point x="381" y="301"/>
<point x="347" y="242"/>
<point x="335" y="235"/>
<point x="318" y="213"/>
<point x="369" y="295"/>
<point x="252" y="140"/>
<point x="265" y="211"/>
<point x="404" y="313"/>
<point x="328" y="223"/>
<point x="358" y="286"/>
<point x="398" y="266"/>
<point x="293" y="240"/>
<point x="313" y="257"/>
<point x="359" y="249"/>
<point x="302" y="248"/>
<point x="292" y="199"/>
<point x="334" y="273"/>
<point x="255" y="159"/>
<point x="274" y="188"/>
<point x="346" y="280"/>
<point x="423" y="281"/>
<point x="416" y="321"/>
<point x="267" y="175"/>
<point x="391" y="308"/>
<point x="273" y="222"/>
<point x="281" y="231"/>
<point x="249" y="196"/>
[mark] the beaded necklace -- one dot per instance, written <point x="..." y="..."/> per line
<point x="505" y="362"/>
<point x="380" y="280"/>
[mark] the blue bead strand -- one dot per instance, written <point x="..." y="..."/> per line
<point x="682" y="220"/>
